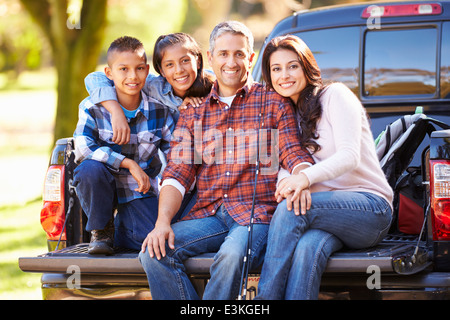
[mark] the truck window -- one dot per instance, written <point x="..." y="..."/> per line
<point x="337" y="53"/>
<point x="445" y="61"/>
<point x="400" y="62"/>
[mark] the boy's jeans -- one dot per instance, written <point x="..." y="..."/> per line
<point x="299" y="246"/>
<point x="167" y="277"/>
<point x="96" y="190"/>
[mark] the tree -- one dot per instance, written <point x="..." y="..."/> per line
<point x="76" y="43"/>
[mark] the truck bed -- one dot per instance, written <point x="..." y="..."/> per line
<point x="121" y="276"/>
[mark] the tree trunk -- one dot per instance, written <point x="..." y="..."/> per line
<point x="76" y="46"/>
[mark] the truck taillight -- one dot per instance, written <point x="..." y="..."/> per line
<point x="52" y="213"/>
<point x="440" y="199"/>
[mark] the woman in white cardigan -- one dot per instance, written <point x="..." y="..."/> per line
<point x="343" y="199"/>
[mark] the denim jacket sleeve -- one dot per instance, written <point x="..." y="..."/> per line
<point x="100" y="88"/>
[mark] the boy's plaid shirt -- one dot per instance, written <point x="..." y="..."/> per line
<point x="151" y="129"/>
<point x="207" y="146"/>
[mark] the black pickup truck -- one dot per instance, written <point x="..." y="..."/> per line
<point x="395" y="56"/>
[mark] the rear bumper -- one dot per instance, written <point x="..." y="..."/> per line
<point x="426" y="285"/>
<point x="422" y="286"/>
<point x="91" y="287"/>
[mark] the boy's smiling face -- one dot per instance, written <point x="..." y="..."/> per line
<point x="128" y="70"/>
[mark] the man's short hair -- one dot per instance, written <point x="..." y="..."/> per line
<point x="124" y="44"/>
<point x="234" y="27"/>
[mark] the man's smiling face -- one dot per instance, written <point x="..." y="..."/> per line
<point x="231" y="61"/>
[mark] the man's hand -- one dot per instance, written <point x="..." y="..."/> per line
<point x="156" y="240"/>
<point x="295" y="189"/>
<point x="170" y="200"/>
<point x="301" y="203"/>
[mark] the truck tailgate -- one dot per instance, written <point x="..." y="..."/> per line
<point x="393" y="255"/>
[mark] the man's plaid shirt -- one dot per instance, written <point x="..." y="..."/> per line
<point x="215" y="145"/>
<point x="151" y="129"/>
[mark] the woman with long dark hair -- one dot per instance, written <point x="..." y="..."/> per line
<point x="343" y="199"/>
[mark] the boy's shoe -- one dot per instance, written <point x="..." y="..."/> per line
<point x="102" y="241"/>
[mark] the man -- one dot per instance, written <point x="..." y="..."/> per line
<point x="224" y="174"/>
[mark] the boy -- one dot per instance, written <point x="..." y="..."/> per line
<point x="111" y="176"/>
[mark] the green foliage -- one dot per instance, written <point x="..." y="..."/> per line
<point x="143" y="19"/>
<point x="22" y="46"/>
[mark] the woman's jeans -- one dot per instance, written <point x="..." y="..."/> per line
<point x="218" y="233"/>
<point x="299" y="246"/>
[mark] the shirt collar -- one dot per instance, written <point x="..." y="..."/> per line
<point x="242" y="91"/>
<point x="167" y="87"/>
<point x="143" y="106"/>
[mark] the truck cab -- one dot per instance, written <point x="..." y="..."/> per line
<point x="395" y="57"/>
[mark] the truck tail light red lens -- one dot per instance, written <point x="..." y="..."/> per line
<point x="440" y="199"/>
<point x="52" y="213"/>
<point x="400" y="10"/>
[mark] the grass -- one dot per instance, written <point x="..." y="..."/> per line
<point x="20" y="235"/>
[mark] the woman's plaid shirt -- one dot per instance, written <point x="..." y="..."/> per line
<point x="215" y="144"/>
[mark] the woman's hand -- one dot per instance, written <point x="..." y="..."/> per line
<point x="295" y="189"/>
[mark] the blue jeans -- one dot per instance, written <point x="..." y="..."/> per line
<point x="96" y="190"/>
<point x="299" y="246"/>
<point x="218" y="233"/>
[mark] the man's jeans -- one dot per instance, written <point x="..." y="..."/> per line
<point x="96" y="190"/>
<point x="219" y="233"/>
<point x="299" y="246"/>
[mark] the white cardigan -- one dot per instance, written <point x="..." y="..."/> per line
<point x="347" y="160"/>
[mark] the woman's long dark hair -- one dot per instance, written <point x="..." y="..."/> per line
<point x="308" y="107"/>
<point x="204" y="81"/>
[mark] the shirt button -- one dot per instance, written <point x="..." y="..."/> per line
<point x="230" y="152"/>
<point x="225" y="195"/>
<point x="214" y="211"/>
<point x="228" y="173"/>
<point x="226" y="107"/>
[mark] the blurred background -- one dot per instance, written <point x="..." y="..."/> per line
<point x="47" y="47"/>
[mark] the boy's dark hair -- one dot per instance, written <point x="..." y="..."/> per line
<point x="126" y="43"/>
